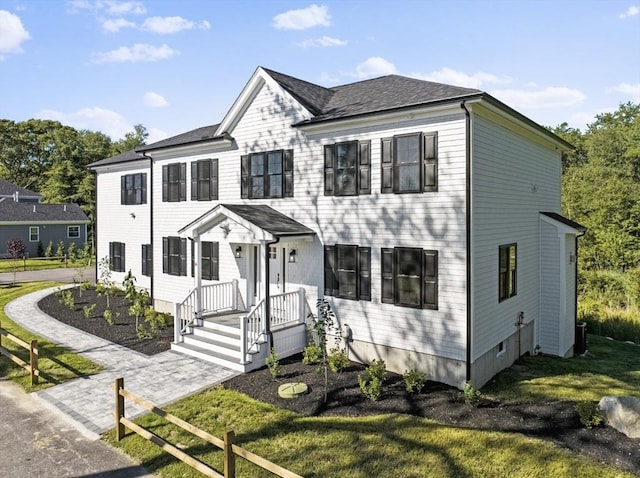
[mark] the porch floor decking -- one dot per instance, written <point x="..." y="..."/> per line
<point x="227" y="318"/>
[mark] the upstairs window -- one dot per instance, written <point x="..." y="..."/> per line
<point x="267" y="175"/>
<point x="410" y="277"/>
<point x="204" y="180"/>
<point x="347" y="272"/>
<point x="409" y="163"/>
<point x="174" y="256"/>
<point x="507" y="271"/>
<point x="116" y="256"/>
<point x="347" y="168"/>
<point x="174" y="182"/>
<point x="133" y="189"/>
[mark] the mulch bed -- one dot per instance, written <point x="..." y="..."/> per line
<point x="554" y="421"/>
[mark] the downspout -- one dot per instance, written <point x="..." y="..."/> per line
<point x="467" y="205"/>
<point x="153" y="259"/>
<point x="267" y="294"/>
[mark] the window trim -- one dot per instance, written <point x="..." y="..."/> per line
<point x="127" y="193"/>
<point x="69" y="236"/>
<point x="508" y="279"/>
<point x="37" y="231"/>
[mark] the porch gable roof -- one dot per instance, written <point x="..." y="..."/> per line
<point x="260" y="219"/>
<point x="569" y="226"/>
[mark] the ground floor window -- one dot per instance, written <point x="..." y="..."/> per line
<point x="507" y="255"/>
<point x="410" y="277"/>
<point x="73" y="232"/>
<point x="174" y="256"/>
<point x="34" y="234"/>
<point x="117" y="256"/>
<point x="347" y="271"/>
<point x="147" y="260"/>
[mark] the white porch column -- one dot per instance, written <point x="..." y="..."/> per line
<point x="197" y="272"/>
<point x="264" y="279"/>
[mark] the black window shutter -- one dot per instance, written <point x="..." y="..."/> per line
<point x="122" y="257"/>
<point x="144" y="188"/>
<point x="364" y="181"/>
<point x="183" y="181"/>
<point x="193" y="259"/>
<point x="328" y="170"/>
<point x="123" y="189"/>
<point x="165" y="183"/>
<point x="386" y="163"/>
<point x="430" y="278"/>
<point x="111" y="255"/>
<point x="430" y="162"/>
<point x="244" y="176"/>
<point x="288" y="172"/>
<point x="214" y="179"/>
<point x="387" y="275"/>
<point x="330" y="283"/>
<point x="215" y="261"/>
<point x="165" y="255"/>
<point x="194" y="180"/>
<point x="364" y="272"/>
<point x="183" y="256"/>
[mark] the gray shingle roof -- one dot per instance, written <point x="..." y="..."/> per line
<point x="197" y="135"/>
<point x="120" y="158"/>
<point x="564" y="220"/>
<point x="39" y="213"/>
<point x="270" y="220"/>
<point x="8" y="189"/>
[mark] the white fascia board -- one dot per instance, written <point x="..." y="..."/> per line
<point x="243" y="101"/>
<point x="205" y="147"/>
<point x="143" y="163"/>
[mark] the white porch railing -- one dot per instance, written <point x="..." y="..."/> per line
<point x="213" y="297"/>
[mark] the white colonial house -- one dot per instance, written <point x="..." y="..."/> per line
<point x="426" y="214"/>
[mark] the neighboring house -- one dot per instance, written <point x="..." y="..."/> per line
<point x="426" y="214"/>
<point x="23" y="217"/>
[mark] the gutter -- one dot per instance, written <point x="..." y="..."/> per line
<point x="467" y="205"/>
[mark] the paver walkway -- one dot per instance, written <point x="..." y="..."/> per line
<point x="162" y="378"/>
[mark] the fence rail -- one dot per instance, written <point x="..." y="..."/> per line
<point x="32" y="347"/>
<point x="227" y="445"/>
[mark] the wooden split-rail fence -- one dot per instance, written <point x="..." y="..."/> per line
<point x="227" y="445"/>
<point x="32" y="347"/>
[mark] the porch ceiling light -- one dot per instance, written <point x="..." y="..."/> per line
<point x="292" y="255"/>
<point x="238" y="252"/>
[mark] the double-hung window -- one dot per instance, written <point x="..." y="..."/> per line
<point x="174" y="256"/>
<point x="347" y="271"/>
<point x="204" y="180"/>
<point x="174" y="182"/>
<point x="267" y="175"/>
<point x="117" y="256"/>
<point x="347" y="168"/>
<point x="409" y="163"/>
<point x="34" y="233"/>
<point x="410" y="277"/>
<point x="507" y="271"/>
<point x="133" y="188"/>
<point x="73" y="232"/>
<point x="147" y="260"/>
<point x="209" y="260"/>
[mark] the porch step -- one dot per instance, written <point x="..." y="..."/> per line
<point x="215" y="343"/>
<point x="209" y="356"/>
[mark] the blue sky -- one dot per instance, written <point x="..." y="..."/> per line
<point x="173" y="66"/>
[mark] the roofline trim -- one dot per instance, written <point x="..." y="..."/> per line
<point x="222" y="138"/>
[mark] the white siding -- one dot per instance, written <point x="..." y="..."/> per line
<point x="549" y="323"/>
<point x="116" y="222"/>
<point x="513" y="179"/>
<point x="569" y="311"/>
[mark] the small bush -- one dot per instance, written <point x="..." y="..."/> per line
<point x="88" y="310"/>
<point x="372" y="380"/>
<point x="312" y="354"/>
<point x="108" y="316"/>
<point x="272" y="363"/>
<point x="338" y="360"/>
<point x="60" y="249"/>
<point x="156" y="320"/>
<point x="72" y="252"/>
<point x="472" y="395"/>
<point x="66" y="298"/>
<point x="590" y="413"/>
<point x="48" y="252"/>
<point x="414" y="380"/>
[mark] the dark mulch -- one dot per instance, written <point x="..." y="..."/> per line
<point x="123" y="329"/>
<point x="554" y="421"/>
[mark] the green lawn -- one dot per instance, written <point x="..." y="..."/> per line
<point x="10" y="265"/>
<point x="56" y="363"/>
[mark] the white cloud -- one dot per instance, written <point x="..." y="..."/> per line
<point x="139" y="52"/>
<point x="168" y="25"/>
<point x="12" y="33"/>
<point x="114" y="26"/>
<point x="154" y="100"/>
<point x="302" y="19"/>
<point x="325" y="41"/>
<point x="632" y="11"/>
<point x="156" y="134"/>
<point x="549" y="97"/>
<point x="94" y="119"/>
<point x="633" y="91"/>
<point x="374" y="66"/>
<point x="452" y="77"/>
<point x="110" y="7"/>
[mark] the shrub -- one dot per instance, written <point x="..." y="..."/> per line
<point x="338" y="360"/>
<point x="414" y="380"/>
<point x="272" y="363"/>
<point x="66" y="298"/>
<point x="88" y="310"/>
<point x="60" y="249"/>
<point x="48" y="252"/>
<point x="156" y="320"/>
<point x="590" y="413"/>
<point x="471" y="394"/>
<point x="312" y="354"/>
<point x="71" y="252"/>
<point x="108" y="316"/>
<point x="40" y="249"/>
<point x="372" y="380"/>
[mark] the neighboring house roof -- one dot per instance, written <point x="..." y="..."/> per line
<point x="563" y="220"/>
<point x="41" y="213"/>
<point x="120" y="158"/>
<point x="8" y="189"/>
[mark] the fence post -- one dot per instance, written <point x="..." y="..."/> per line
<point x="33" y="359"/>
<point x="229" y="456"/>
<point x="119" y="413"/>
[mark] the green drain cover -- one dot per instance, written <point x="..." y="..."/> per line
<point x="292" y="390"/>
